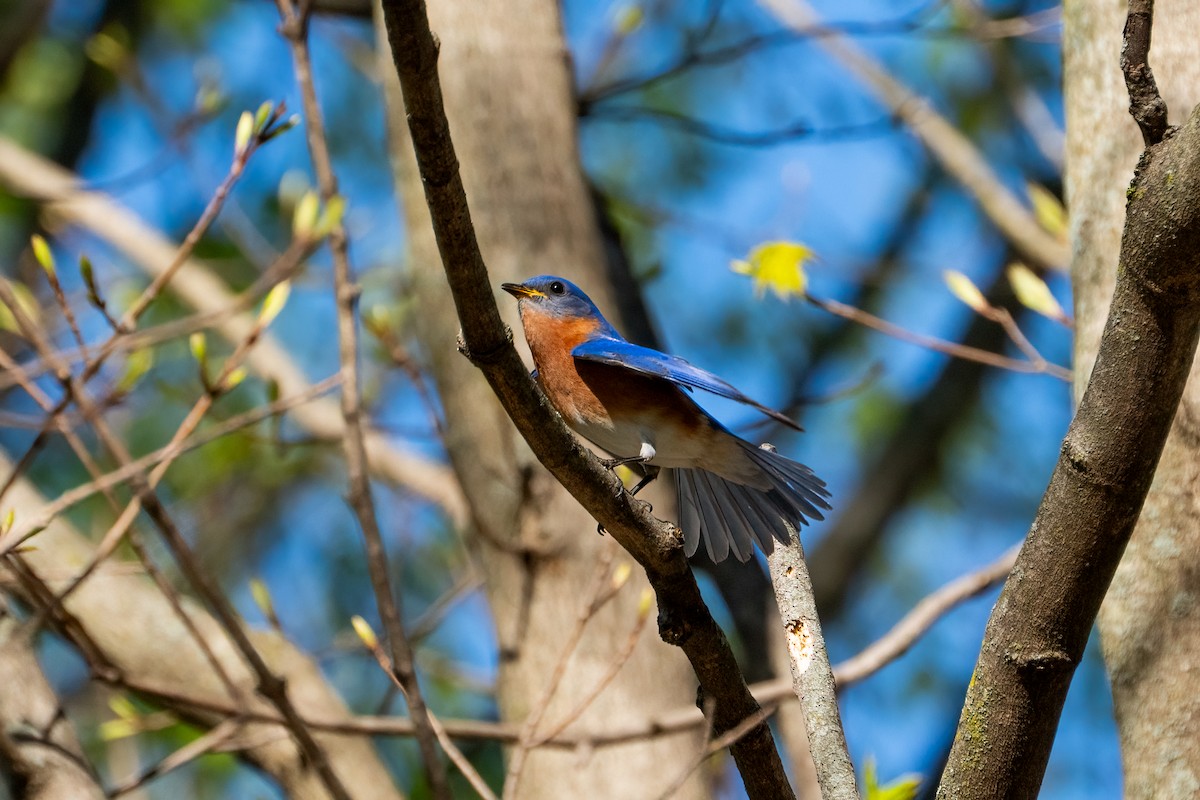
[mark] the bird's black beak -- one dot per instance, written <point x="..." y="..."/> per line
<point x="520" y="290"/>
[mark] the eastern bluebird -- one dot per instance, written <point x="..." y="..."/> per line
<point x="629" y="400"/>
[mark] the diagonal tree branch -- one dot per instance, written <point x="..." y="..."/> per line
<point x="1038" y="629"/>
<point x="684" y="619"/>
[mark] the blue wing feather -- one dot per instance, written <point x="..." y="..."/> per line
<point x="620" y="353"/>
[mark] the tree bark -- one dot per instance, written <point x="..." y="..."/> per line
<point x="507" y="91"/>
<point x="1150" y="620"/>
<point x="40" y="755"/>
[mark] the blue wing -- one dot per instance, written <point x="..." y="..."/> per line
<point x="620" y="353"/>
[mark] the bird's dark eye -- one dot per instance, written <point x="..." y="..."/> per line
<point x="556" y="287"/>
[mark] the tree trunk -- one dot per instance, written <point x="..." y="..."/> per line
<point x="1150" y="620"/>
<point x="507" y="88"/>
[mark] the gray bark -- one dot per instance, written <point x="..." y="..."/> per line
<point x="1150" y="620"/>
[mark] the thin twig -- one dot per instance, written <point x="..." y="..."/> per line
<point x="269" y="684"/>
<point x="905" y="633"/>
<point x="26" y="174"/>
<point x="31" y="525"/>
<point x="940" y="345"/>
<point x="202" y="745"/>
<point x="614" y="667"/>
<point x="595" y="598"/>
<point x="956" y="154"/>
<point x="464" y="765"/>
<point x="295" y="30"/>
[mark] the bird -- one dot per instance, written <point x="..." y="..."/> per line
<point x="635" y="403"/>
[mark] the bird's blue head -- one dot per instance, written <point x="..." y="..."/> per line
<point x="555" y="297"/>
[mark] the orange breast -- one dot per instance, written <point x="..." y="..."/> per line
<point x="551" y="340"/>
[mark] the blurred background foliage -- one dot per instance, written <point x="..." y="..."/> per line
<point x="693" y="171"/>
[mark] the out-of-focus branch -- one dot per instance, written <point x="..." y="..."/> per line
<point x="905" y="633"/>
<point x="403" y="669"/>
<point x="27" y="174"/>
<point x="957" y="155"/>
<point x="40" y="755"/>
<point x="684" y="619"/>
<point x="133" y="624"/>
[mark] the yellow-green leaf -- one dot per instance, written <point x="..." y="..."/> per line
<point x="41" y="251"/>
<point x="262" y="116"/>
<point x="363" y="629"/>
<point x="621" y="575"/>
<point x="331" y="217"/>
<point x="9" y="519"/>
<point x="1033" y="293"/>
<point x="106" y="50"/>
<point x="778" y="266"/>
<point x="122" y="707"/>
<point x="137" y="365"/>
<point x="305" y="217"/>
<point x="903" y="788"/>
<point x="965" y="290"/>
<point x="628" y="18"/>
<point x="645" y="602"/>
<point x="274" y="302"/>
<point x="245" y="129"/>
<point x="113" y="729"/>
<point x="234" y="379"/>
<point x="262" y="597"/>
<point x="1049" y="213"/>
<point x="198" y="343"/>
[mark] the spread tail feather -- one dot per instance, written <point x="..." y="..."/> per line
<point x="730" y="517"/>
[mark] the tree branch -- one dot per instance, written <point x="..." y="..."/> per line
<point x="39" y="752"/>
<point x="1038" y="629"/>
<point x="30" y="175"/>
<point x="1146" y="105"/>
<point x="132" y="623"/>
<point x="812" y="679"/>
<point x="295" y="30"/>
<point x="684" y="620"/>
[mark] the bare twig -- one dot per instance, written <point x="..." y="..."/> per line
<point x="595" y="598"/>
<point x="295" y="29"/>
<point x="464" y="765"/>
<point x="905" y="633"/>
<point x="1040" y="365"/>
<point x="812" y="679"/>
<point x="614" y="667"/>
<point x="269" y="684"/>
<point x="30" y="525"/>
<point x="203" y="745"/>
<point x="25" y="173"/>
<point x="1145" y="103"/>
